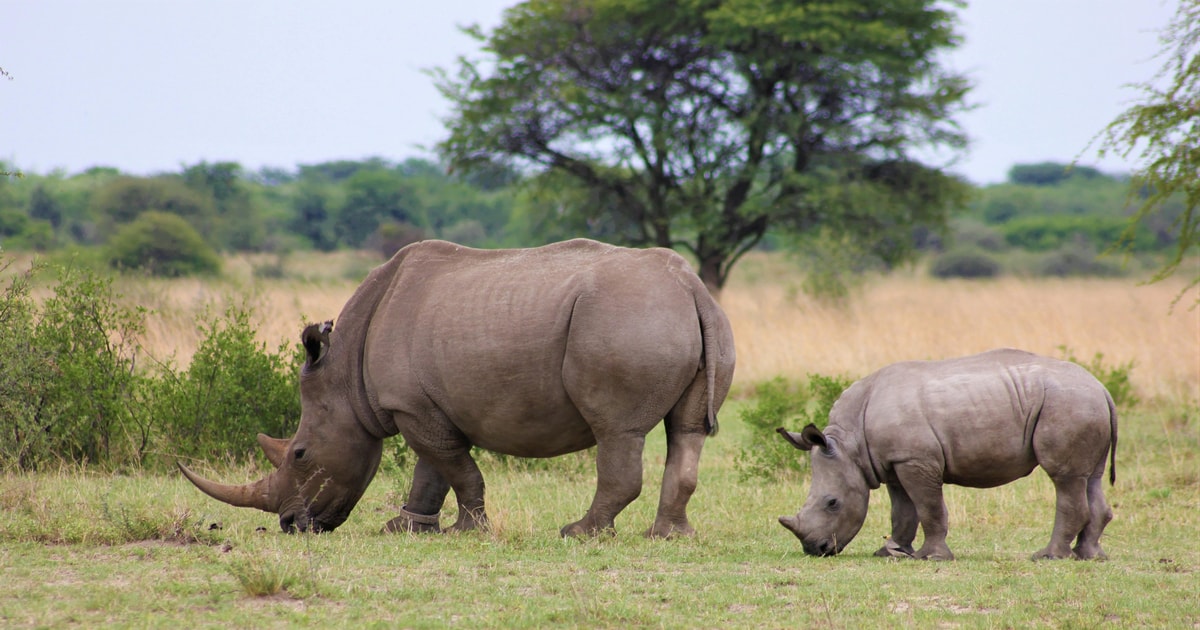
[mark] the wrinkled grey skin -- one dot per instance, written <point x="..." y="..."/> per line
<point x="532" y="353"/>
<point x="978" y="421"/>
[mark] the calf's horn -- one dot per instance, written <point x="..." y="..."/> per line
<point x="255" y="495"/>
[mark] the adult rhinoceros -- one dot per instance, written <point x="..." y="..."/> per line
<point x="978" y="421"/>
<point x="528" y="352"/>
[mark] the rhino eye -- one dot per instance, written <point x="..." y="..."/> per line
<point x="832" y="504"/>
<point x="299" y="453"/>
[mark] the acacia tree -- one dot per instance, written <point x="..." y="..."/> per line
<point x="702" y="124"/>
<point x="1162" y="132"/>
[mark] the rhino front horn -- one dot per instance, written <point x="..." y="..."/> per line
<point x="255" y="495"/>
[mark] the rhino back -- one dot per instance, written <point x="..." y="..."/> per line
<point x="513" y="347"/>
<point x="975" y="417"/>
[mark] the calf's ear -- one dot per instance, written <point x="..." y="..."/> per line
<point x="808" y="437"/>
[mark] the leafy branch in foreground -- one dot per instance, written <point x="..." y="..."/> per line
<point x="1160" y="132"/>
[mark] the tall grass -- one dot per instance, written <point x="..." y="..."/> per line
<point x="779" y="330"/>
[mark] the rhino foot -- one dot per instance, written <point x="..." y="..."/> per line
<point x="670" y="530"/>
<point x="1089" y="552"/>
<point x="579" y="530"/>
<point x="412" y="522"/>
<point x="1050" y="554"/>
<point x="941" y="552"/>
<point x="893" y="549"/>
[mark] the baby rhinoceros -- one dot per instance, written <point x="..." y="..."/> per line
<point x="978" y="421"/>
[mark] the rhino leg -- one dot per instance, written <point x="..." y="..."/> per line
<point x="425" y="498"/>
<point x="618" y="483"/>
<point x="678" y="484"/>
<point x="904" y="523"/>
<point x="1087" y="546"/>
<point x="1071" y="516"/>
<point x="924" y="487"/>
<point x="464" y="476"/>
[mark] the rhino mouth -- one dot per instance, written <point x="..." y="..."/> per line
<point x="812" y="547"/>
<point x="821" y="548"/>
<point x="291" y="523"/>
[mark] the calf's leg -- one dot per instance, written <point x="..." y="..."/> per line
<point x="1071" y="516"/>
<point x="924" y="487"/>
<point x="1087" y="545"/>
<point x="904" y="523"/>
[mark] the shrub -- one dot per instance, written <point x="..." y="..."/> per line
<point x="1077" y="258"/>
<point x="162" y="244"/>
<point x="964" y="263"/>
<point x="234" y="388"/>
<point x="782" y="404"/>
<point x="1115" y="378"/>
<point x="67" y="382"/>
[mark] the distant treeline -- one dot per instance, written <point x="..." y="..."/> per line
<point x="179" y="223"/>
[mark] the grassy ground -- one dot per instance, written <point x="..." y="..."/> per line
<point x="82" y="549"/>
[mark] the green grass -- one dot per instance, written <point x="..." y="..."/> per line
<point x="82" y="549"/>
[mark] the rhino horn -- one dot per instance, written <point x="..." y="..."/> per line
<point x="274" y="448"/>
<point x="255" y="495"/>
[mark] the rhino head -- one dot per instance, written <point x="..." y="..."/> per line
<point x="837" y="499"/>
<point x="322" y="471"/>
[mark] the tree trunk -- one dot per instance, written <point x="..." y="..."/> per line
<point x="710" y="275"/>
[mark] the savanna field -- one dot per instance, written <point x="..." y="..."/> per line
<point x="80" y="547"/>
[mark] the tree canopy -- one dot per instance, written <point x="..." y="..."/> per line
<point x="1161" y="134"/>
<point x="703" y="124"/>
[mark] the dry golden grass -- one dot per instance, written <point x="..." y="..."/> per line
<point x="779" y="329"/>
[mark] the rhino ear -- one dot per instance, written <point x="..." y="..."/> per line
<point x="316" y="341"/>
<point x="809" y="437"/>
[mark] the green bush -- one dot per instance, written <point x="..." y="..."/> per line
<point x="964" y="263"/>
<point x="1076" y="259"/>
<point x="162" y="244"/>
<point x="234" y="388"/>
<point x="72" y="390"/>
<point x="1115" y="378"/>
<point x="779" y="403"/>
<point x="67" y="382"/>
<point x="1048" y="232"/>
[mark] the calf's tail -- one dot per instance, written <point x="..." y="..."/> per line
<point x="1112" y="449"/>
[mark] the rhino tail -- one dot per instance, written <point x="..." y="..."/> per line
<point x="712" y="340"/>
<point x="1112" y="449"/>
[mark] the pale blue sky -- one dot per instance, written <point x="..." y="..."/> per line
<point x="151" y="85"/>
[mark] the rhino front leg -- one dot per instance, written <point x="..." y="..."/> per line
<point x="678" y="484"/>
<point x="1071" y="516"/>
<point x="425" y="499"/>
<point x="464" y="476"/>
<point x="618" y="483"/>
<point x="924" y="487"/>
<point x="904" y="524"/>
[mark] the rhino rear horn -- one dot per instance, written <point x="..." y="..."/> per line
<point x="274" y="448"/>
<point x="255" y="495"/>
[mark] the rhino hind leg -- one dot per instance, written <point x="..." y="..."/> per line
<point x="1071" y="517"/>
<point x="678" y="484"/>
<point x="1087" y="545"/>
<point x="618" y="483"/>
